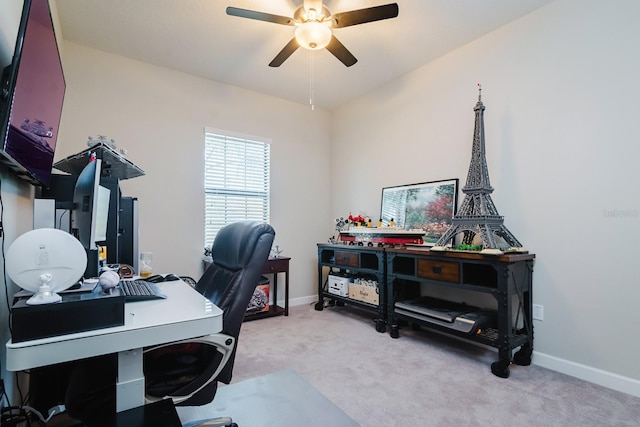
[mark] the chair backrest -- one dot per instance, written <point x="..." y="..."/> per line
<point x="186" y="371"/>
<point x="239" y="253"/>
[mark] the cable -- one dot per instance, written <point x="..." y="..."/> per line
<point x="4" y="397"/>
<point x="10" y="415"/>
<point x="16" y="415"/>
<point x="4" y="265"/>
<point x="62" y="216"/>
<point x="58" y="409"/>
<point x="17" y="383"/>
<point x="13" y="416"/>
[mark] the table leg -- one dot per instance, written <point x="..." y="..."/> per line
<point x="275" y="289"/>
<point x="130" y="381"/>
<point x="286" y="292"/>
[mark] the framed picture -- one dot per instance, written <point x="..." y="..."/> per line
<point x="428" y="206"/>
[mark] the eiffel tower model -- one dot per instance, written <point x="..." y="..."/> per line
<point x="478" y="215"/>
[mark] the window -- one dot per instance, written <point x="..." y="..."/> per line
<point x="236" y="180"/>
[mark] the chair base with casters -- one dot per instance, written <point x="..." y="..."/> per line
<point x="180" y="370"/>
<point x="214" y="422"/>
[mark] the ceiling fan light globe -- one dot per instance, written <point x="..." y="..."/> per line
<point x="313" y="35"/>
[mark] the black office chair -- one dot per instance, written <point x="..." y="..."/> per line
<point x="188" y="371"/>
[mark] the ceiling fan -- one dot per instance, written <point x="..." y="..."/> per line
<point x="313" y="24"/>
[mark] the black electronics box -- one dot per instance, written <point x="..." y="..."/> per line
<point x="77" y="312"/>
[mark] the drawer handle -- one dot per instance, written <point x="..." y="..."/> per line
<point x="436" y="269"/>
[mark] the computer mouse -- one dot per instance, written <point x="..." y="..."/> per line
<point x="170" y="277"/>
<point x="156" y="278"/>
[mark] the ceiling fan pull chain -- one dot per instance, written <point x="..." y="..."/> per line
<point x="311" y="79"/>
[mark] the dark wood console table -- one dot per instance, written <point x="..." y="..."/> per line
<point x="507" y="277"/>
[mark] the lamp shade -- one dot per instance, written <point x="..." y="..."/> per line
<point x="313" y="35"/>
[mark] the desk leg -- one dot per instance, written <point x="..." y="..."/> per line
<point x="130" y="381"/>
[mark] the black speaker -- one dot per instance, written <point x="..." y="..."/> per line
<point x="77" y="312"/>
<point x="129" y="251"/>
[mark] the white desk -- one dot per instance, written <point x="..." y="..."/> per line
<point x="184" y="314"/>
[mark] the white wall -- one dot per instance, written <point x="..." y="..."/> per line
<point x="16" y="195"/>
<point x="159" y="116"/>
<point x="561" y="92"/>
<point x="9" y="22"/>
<point x="17" y="218"/>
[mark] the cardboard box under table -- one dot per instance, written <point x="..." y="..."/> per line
<point x="364" y="291"/>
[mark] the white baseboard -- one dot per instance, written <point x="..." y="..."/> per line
<point x="299" y="301"/>
<point x="588" y="373"/>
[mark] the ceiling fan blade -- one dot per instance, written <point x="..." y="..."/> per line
<point x="284" y="53"/>
<point x="259" y="16"/>
<point x="342" y="53"/>
<point x="362" y="16"/>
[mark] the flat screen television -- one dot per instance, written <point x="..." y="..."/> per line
<point x="31" y="96"/>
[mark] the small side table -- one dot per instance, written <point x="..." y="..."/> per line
<point x="274" y="266"/>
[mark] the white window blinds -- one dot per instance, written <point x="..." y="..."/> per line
<point x="236" y="181"/>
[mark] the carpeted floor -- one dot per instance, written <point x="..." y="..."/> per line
<point x="420" y="379"/>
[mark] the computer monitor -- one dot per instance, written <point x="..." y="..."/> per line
<point x="90" y="206"/>
<point x="102" y="214"/>
<point x="45" y="261"/>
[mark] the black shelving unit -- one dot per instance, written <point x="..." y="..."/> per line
<point x="406" y="273"/>
<point x="353" y="261"/>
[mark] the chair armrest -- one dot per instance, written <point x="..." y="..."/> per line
<point x="222" y="342"/>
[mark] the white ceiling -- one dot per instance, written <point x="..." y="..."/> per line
<point x="199" y="38"/>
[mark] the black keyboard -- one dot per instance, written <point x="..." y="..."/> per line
<point x="139" y="290"/>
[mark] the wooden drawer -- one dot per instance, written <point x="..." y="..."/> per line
<point x="347" y="258"/>
<point x="275" y="265"/>
<point x="445" y="271"/>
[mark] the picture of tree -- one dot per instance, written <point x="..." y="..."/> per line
<point x="427" y="206"/>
